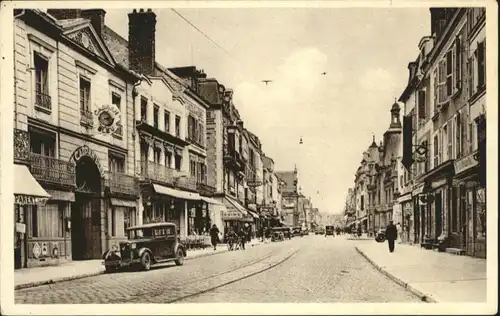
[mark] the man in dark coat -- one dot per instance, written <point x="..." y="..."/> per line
<point x="243" y="237"/>
<point x="214" y="236"/>
<point x="391" y="234"/>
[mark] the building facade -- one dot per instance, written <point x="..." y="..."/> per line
<point x="73" y="128"/>
<point x="290" y="197"/>
<point x="448" y="122"/>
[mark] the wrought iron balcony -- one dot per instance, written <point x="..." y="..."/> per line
<point x="205" y="189"/>
<point x="155" y="172"/>
<point x="86" y="118"/>
<point x="233" y="157"/>
<point x="185" y="182"/>
<point x="43" y="102"/>
<point x="52" y="170"/>
<point x="121" y="183"/>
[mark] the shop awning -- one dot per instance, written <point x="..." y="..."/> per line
<point x="26" y="189"/>
<point x="254" y="214"/>
<point x="122" y="203"/>
<point x="160" y="189"/>
<point x="210" y="200"/>
<point x="235" y="212"/>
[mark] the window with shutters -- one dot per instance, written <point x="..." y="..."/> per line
<point x="481" y="65"/>
<point x="458" y="136"/>
<point x="458" y="63"/>
<point x="449" y="73"/>
<point x="441" y="87"/>
<point x="436" y="151"/>
<point x="421" y="105"/>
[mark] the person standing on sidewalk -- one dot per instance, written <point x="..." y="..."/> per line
<point x="391" y="234"/>
<point x="214" y="236"/>
<point x="243" y="238"/>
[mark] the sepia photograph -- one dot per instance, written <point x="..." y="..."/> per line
<point x="261" y="152"/>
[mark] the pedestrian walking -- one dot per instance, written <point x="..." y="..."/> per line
<point x="391" y="233"/>
<point x="359" y="231"/>
<point x="214" y="236"/>
<point x="243" y="238"/>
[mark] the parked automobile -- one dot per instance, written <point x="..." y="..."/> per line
<point x="320" y="231"/>
<point x="287" y="232"/>
<point x="297" y="231"/>
<point x="305" y="232"/>
<point x="330" y="230"/>
<point x="380" y="235"/>
<point x="146" y="246"/>
<point x="277" y="234"/>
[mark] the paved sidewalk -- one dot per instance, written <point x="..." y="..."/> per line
<point x="31" y="277"/>
<point x="434" y="276"/>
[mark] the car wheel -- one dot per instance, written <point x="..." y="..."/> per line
<point x="146" y="261"/>
<point x="180" y="258"/>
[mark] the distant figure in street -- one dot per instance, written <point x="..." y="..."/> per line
<point x="391" y="233"/>
<point x="359" y="231"/>
<point x="243" y="238"/>
<point x="214" y="236"/>
<point x="398" y="227"/>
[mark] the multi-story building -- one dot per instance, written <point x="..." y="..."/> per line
<point x="385" y="173"/>
<point x="449" y="121"/>
<point x="254" y="178"/>
<point x="73" y="134"/>
<point x="271" y="204"/>
<point x="290" y="197"/>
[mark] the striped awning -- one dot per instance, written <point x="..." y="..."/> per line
<point x="26" y="189"/>
<point x="235" y="212"/>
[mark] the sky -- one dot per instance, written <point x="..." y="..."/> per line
<point x="364" y="51"/>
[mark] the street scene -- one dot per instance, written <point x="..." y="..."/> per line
<point x="177" y="156"/>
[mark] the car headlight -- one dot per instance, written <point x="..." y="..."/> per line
<point x="133" y="246"/>
<point x="114" y="248"/>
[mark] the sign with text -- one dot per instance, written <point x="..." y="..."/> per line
<point x="232" y="215"/>
<point x="255" y="183"/>
<point x="465" y="163"/>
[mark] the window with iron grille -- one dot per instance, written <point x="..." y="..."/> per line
<point x="42" y="98"/>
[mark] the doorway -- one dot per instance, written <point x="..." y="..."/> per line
<point x="439" y="213"/>
<point x="86" y="212"/>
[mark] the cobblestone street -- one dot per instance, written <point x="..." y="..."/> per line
<point x="309" y="269"/>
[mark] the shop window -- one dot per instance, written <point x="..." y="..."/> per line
<point x="127" y="220"/>
<point x="481" y="213"/>
<point x="113" y="222"/>
<point x="34" y="221"/>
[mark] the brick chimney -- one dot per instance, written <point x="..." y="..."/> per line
<point x="141" y="41"/>
<point x="96" y="17"/>
<point x="65" y="14"/>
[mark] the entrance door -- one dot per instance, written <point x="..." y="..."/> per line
<point x="86" y="212"/>
<point x="439" y="212"/>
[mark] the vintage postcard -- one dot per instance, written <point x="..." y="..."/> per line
<point x="248" y="157"/>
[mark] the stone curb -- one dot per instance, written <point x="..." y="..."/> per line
<point x="87" y="275"/>
<point x="424" y="297"/>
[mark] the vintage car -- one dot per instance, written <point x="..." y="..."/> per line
<point x="330" y="230"/>
<point x="277" y="234"/>
<point x="297" y="231"/>
<point x="319" y="231"/>
<point x="287" y="231"/>
<point x="147" y="245"/>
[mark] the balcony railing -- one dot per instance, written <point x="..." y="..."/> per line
<point x="52" y="170"/>
<point x="205" y="189"/>
<point x="185" y="182"/>
<point x="156" y="172"/>
<point x="233" y="155"/>
<point x="86" y="118"/>
<point x="121" y="183"/>
<point x="43" y="102"/>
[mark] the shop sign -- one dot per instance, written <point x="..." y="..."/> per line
<point x="253" y="184"/>
<point x="28" y="200"/>
<point x="232" y="215"/>
<point x="108" y="117"/>
<point x="86" y="151"/>
<point x="465" y="164"/>
<point x="437" y="184"/>
<point x="405" y="198"/>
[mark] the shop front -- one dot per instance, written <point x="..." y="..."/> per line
<point x="468" y="217"/>
<point x="165" y="204"/>
<point x="236" y="216"/>
<point x="28" y="196"/>
<point x="419" y="202"/>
